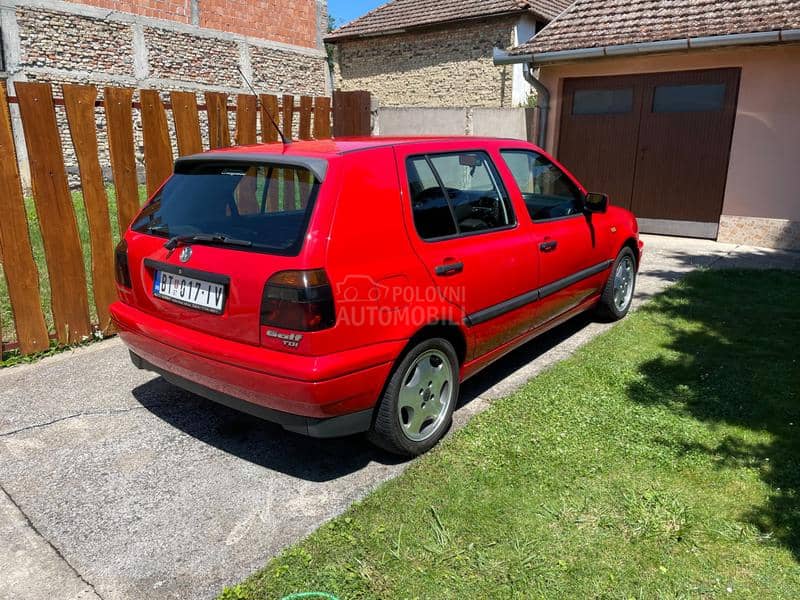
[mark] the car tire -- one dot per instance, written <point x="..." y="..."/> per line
<point x="416" y="407"/>
<point x="617" y="296"/>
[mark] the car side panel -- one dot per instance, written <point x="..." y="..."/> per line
<point x="380" y="289"/>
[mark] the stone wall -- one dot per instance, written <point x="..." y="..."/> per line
<point x="757" y="231"/>
<point x="63" y="42"/>
<point x="449" y="66"/>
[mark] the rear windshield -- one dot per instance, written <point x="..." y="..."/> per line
<point x="262" y="207"/>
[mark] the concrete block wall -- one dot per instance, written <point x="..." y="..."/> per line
<point x="493" y="122"/>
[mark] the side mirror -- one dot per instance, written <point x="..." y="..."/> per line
<point x="595" y="203"/>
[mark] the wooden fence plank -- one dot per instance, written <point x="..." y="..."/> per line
<point x="269" y="104"/>
<point x="289" y="197"/>
<point x="187" y="122"/>
<point x="157" y="146"/>
<point x="218" y="129"/>
<point x="322" y="117"/>
<point x="246" y="110"/>
<point x="119" y="119"/>
<point x="79" y="103"/>
<point x="288" y="115"/>
<point x="21" y="275"/>
<point x="273" y="192"/>
<point x="56" y="214"/>
<point x="351" y="114"/>
<point x="306" y="106"/>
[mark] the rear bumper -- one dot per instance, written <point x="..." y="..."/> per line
<point x="343" y="425"/>
<point x="296" y="391"/>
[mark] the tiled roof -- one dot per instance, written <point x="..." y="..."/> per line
<point x="598" y="23"/>
<point x="406" y="14"/>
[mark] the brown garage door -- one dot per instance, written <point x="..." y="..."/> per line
<point x="656" y="143"/>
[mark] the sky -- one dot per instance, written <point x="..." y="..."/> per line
<point x="346" y="10"/>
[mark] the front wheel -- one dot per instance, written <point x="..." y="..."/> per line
<point x="615" y="301"/>
<point x="416" y="408"/>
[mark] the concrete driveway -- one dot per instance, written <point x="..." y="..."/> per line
<point x="117" y="485"/>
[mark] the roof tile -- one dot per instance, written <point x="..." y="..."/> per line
<point x="598" y="23"/>
<point x="405" y="14"/>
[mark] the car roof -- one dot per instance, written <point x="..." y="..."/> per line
<point x="342" y="145"/>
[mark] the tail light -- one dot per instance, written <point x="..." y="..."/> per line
<point x="121" y="270"/>
<point x="299" y="301"/>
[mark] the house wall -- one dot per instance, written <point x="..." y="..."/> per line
<point x="167" y="45"/>
<point x="522" y="91"/>
<point x="762" y="203"/>
<point x="450" y="66"/>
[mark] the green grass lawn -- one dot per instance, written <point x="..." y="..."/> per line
<point x="661" y="461"/>
<point x="6" y="319"/>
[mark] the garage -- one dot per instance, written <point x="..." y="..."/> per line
<point x="686" y="113"/>
<point x="657" y="143"/>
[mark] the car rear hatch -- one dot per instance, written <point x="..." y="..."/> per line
<point x="203" y="249"/>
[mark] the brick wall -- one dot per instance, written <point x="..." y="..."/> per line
<point x="288" y="21"/>
<point x="172" y="10"/>
<point x="451" y="66"/>
<point x="285" y="21"/>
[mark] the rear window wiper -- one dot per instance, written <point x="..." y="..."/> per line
<point x="214" y="238"/>
<point x="160" y="228"/>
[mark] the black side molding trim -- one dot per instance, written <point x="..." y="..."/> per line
<point x="516" y="302"/>
<point x="557" y="286"/>
<point x="340" y="426"/>
<point x="204" y="275"/>
<point x="496" y="310"/>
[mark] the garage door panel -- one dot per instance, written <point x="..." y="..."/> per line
<point x="657" y="143"/>
<point x="684" y="145"/>
<point x="599" y="125"/>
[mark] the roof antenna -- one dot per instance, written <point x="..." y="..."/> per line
<point x="264" y="110"/>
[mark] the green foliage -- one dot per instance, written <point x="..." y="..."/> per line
<point x="661" y="461"/>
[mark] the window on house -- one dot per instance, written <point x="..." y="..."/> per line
<point x="689" y="98"/>
<point x="602" y="102"/>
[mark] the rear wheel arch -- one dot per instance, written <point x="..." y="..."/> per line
<point x="441" y="329"/>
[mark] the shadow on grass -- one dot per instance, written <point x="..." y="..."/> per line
<point x="733" y="360"/>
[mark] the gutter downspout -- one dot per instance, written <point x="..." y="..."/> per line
<point x="542" y="103"/>
<point x="501" y="57"/>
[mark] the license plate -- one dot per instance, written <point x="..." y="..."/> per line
<point x="196" y="293"/>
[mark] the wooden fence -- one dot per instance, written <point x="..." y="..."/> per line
<point x="38" y="110"/>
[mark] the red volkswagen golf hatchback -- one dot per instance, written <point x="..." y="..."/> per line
<point x="351" y="285"/>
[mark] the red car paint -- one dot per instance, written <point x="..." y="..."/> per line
<point x="383" y="278"/>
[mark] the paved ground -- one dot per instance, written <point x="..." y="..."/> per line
<point x="117" y="485"/>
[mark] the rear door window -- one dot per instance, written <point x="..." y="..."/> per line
<point x="265" y="206"/>
<point x="546" y="189"/>
<point x="457" y="193"/>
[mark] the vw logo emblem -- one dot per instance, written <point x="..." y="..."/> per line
<point x="186" y="254"/>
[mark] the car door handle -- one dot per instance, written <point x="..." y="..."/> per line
<point x="548" y="246"/>
<point x="449" y="269"/>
